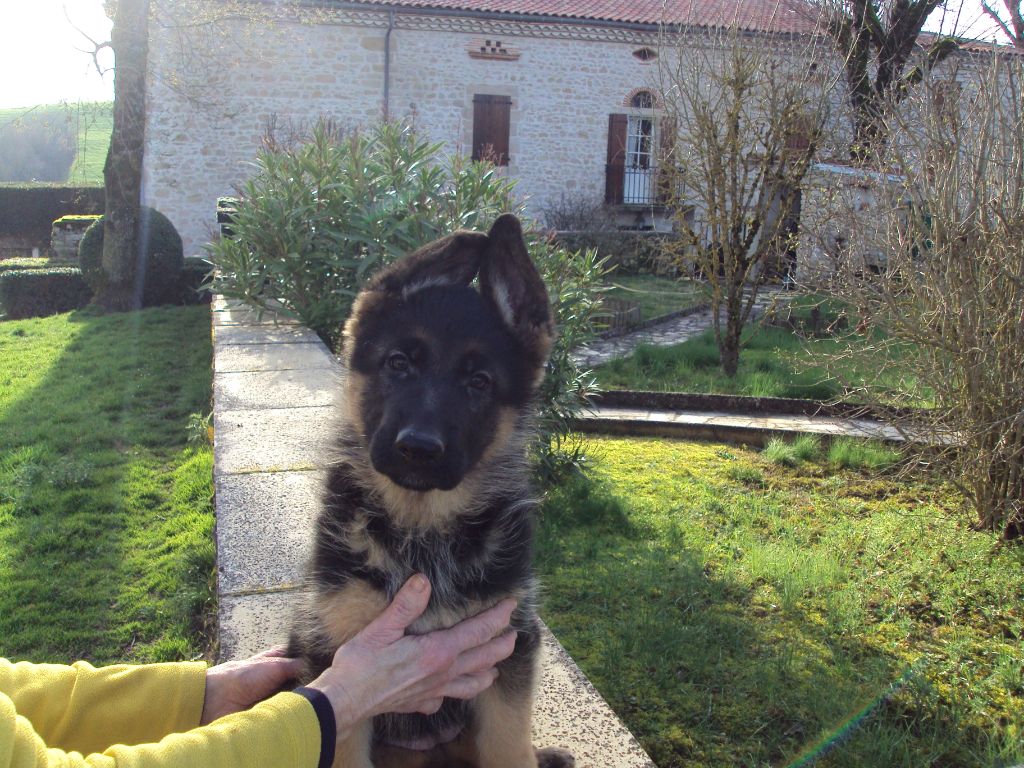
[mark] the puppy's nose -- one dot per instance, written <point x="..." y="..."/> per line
<point x="419" y="447"/>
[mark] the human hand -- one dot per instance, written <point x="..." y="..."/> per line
<point x="237" y="685"/>
<point x="382" y="669"/>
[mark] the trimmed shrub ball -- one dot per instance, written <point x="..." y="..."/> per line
<point x="163" y="254"/>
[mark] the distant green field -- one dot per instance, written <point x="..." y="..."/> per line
<point x="95" y="122"/>
<point x="90" y="122"/>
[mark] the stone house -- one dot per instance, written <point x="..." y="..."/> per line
<point x="562" y="93"/>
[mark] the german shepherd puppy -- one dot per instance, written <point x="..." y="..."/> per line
<point x="431" y="477"/>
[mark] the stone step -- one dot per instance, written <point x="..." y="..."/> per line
<point x="752" y="429"/>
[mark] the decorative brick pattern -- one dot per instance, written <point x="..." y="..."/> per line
<point x="492" y="48"/>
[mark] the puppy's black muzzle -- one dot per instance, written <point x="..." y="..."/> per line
<point x="420" y="448"/>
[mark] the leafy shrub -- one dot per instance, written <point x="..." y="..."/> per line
<point x="194" y="279"/>
<point x="39" y="292"/>
<point x="9" y="265"/>
<point x="163" y="258"/>
<point x="318" y="219"/>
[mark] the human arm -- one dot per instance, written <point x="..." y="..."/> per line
<point x="283" y="732"/>
<point x="381" y="670"/>
<point x="86" y="709"/>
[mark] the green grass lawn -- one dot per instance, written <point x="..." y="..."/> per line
<point x="656" y="295"/>
<point x="735" y="612"/>
<point x="106" y="548"/>
<point x="773" y="363"/>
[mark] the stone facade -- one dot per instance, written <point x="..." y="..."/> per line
<point x="213" y="95"/>
<point x="218" y="82"/>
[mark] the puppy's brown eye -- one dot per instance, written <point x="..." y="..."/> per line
<point x="480" y="380"/>
<point x="398" y="362"/>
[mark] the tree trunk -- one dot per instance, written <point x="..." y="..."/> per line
<point x="729" y="345"/>
<point x="122" y="175"/>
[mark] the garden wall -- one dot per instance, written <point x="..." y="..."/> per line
<point x="27" y="213"/>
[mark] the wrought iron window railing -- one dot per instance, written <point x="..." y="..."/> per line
<point x="626" y="185"/>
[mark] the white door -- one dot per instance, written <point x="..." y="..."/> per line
<point x="639" y="160"/>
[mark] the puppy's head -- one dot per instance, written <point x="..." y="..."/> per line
<point x="437" y="369"/>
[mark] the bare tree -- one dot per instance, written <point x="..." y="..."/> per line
<point x="1013" y="25"/>
<point x="950" y="293"/>
<point x="877" y="41"/>
<point x="747" y="116"/>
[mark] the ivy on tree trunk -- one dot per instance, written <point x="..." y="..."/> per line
<point x="122" y="175"/>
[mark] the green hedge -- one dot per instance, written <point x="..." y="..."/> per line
<point x="39" y="292"/>
<point x="9" y="265"/>
<point x="30" y="210"/>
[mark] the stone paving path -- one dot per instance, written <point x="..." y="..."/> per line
<point x="274" y="392"/>
<point x="674" y="331"/>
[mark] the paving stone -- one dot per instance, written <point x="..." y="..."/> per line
<point x="244" y="315"/>
<point x="252" y="623"/>
<point x="569" y="712"/>
<point x="294" y="388"/>
<point x="221" y="304"/>
<point x="749" y="422"/>
<point x="264" y="529"/>
<point x="272" y="440"/>
<point x="259" y="334"/>
<point x="283" y="356"/>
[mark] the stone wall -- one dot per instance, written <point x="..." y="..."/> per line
<point x="844" y="214"/>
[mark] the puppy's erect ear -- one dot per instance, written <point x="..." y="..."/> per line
<point x="452" y="260"/>
<point x="511" y="282"/>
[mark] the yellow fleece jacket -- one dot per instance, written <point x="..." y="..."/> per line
<point x="144" y="717"/>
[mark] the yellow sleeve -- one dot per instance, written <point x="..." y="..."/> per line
<point x="282" y="732"/>
<point x="85" y="709"/>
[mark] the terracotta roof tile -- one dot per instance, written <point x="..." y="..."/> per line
<point x="752" y="15"/>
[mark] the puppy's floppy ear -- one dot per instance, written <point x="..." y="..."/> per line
<point x="452" y="260"/>
<point x="511" y="282"/>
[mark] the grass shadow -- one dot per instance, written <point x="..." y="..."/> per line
<point x="723" y="635"/>
<point x="105" y="516"/>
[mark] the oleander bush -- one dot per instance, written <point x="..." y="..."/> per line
<point x="40" y="292"/>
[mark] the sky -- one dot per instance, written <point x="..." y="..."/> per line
<point x="42" y="58"/>
<point x="41" y="54"/>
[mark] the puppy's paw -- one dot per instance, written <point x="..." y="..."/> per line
<point x="555" y="757"/>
